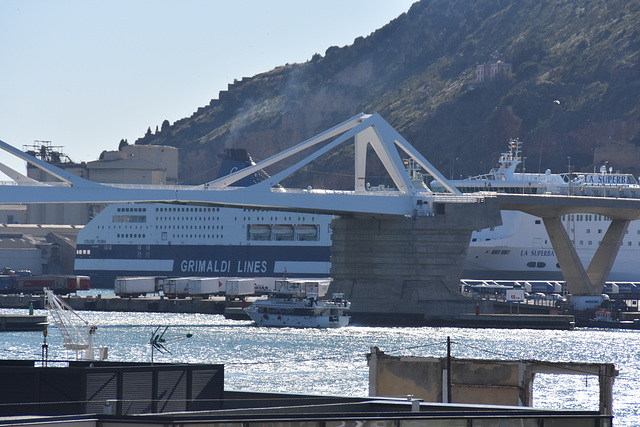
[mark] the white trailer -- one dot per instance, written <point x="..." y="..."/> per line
<point x="303" y="287"/>
<point x="587" y="302"/>
<point x="204" y="286"/>
<point x="134" y="286"/>
<point x="176" y="287"/>
<point x="239" y="288"/>
<point x="264" y="285"/>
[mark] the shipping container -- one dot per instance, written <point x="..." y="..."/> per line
<point x="134" y="286"/>
<point x="205" y="286"/>
<point x="239" y="288"/>
<point x="176" y="287"/>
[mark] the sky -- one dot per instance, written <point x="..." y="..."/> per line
<point x="85" y="74"/>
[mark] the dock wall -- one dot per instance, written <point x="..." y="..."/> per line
<point x="475" y="381"/>
<point x="407" y="270"/>
<point x="18" y="322"/>
<point x="112" y="303"/>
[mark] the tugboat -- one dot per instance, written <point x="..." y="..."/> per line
<point x="603" y="319"/>
<point x="288" y="308"/>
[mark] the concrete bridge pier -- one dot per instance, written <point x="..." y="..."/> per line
<point x="401" y="270"/>
<point x="590" y="281"/>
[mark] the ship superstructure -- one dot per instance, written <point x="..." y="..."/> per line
<point x="178" y="240"/>
<point x="521" y="248"/>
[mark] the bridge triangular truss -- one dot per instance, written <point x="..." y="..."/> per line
<point x="364" y="131"/>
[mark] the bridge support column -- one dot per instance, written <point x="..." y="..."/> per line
<point x="407" y="270"/>
<point x="589" y="281"/>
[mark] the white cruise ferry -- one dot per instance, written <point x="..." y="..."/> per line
<point x="175" y="240"/>
<point x="520" y="248"/>
<point x="160" y="239"/>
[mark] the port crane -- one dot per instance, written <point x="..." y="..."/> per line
<point x="77" y="334"/>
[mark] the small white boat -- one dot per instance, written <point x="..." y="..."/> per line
<point x="287" y="309"/>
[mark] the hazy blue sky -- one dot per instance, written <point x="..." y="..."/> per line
<point x="85" y="74"/>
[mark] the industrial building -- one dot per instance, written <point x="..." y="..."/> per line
<point x="42" y="237"/>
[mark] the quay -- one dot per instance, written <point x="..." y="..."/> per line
<point x="154" y="304"/>
<point x="536" y="317"/>
<point x="22" y="322"/>
<point x="516" y="321"/>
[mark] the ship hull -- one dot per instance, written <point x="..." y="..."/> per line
<point x="293" y="321"/>
<point x="520" y="249"/>
<point x="150" y="239"/>
<point x="203" y="260"/>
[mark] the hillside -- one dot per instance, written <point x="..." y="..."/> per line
<point x="574" y="90"/>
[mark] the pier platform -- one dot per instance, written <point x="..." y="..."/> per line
<point x="22" y="322"/>
<point x="153" y="304"/>
<point x="516" y="321"/>
<point x="233" y="310"/>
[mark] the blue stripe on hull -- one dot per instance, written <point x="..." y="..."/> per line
<point x="203" y="260"/>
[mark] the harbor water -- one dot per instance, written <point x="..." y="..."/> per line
<point x="332" y="361"/>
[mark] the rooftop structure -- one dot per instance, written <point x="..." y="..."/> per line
<point x="164" y="395"/>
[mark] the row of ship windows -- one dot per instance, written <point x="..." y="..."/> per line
<point x="129" y="218"/>
<point x="278" y="232"/>
<point x="499" y="189"/>
<point x="588" y="231"/>
<point x="132" y="209"/>
<point x="539" y="264"/>
<point x="189" y="227"/>
<point x="143" y="218"/>
<point x="164" y="237"/>
<point x="193" y="236"/>
<point x="119" y="227"/>
<point x="530" y="264"/>
<point x="584" y="217"/>
<point x="248" y="218"/>
<point x="173" y="218"/>
<point x="88" y="251"/>
<point x="187" y="209"/>
<point x="580" y="243"/>
<point x="172" y="227"/>
<point x="590" y="243"/>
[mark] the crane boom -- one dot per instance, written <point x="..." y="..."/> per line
<point x="77" y="333"/>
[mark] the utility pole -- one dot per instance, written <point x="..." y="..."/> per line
<point x="448" y="369"/>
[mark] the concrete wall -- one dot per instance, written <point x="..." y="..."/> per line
<point x="13" y="214"/>
<point x="477" y="382"/>
<point x="474" y="381"/>
<point x="58" y="213"/>
<point x="406" y="270"/>
<point x="22" y="259"/>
